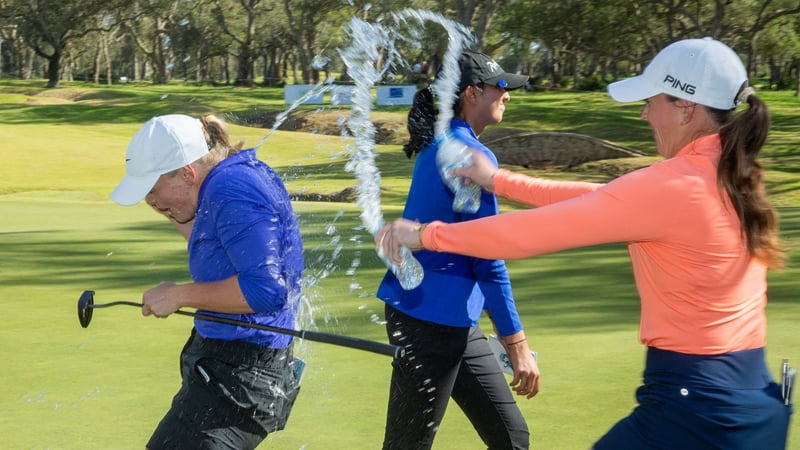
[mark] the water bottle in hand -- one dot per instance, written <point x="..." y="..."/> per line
<point x="409" y="274"/>
<point x="453" y="154"/>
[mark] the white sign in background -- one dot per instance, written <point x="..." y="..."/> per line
<point x="389" y="95"/>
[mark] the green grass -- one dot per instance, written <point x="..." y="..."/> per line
<point x="108" y="385"/>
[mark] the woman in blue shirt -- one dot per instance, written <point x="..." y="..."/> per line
<point x="246" y="263"/>
<point x="447" y="355"/>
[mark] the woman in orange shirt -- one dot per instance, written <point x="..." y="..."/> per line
<point x="701" y="235"/>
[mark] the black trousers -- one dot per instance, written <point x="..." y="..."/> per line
<point x="443" y="362"/>
<point x="232" y="395"/>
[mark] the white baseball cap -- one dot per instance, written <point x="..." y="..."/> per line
<point x="163" y="144"/>
<point x="703" y="71"/>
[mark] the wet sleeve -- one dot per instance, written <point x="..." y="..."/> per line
<point x="252" y="236"/>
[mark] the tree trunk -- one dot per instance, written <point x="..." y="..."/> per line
<point x="226" y="69"/>
<point x="294" y="69"/>
<point x="66" y="68"/>
<point x="142" y="68"/>
<point x="774" y="73"/>
<point x="97" y="65"/>
<point x="54" y="69"/>
<point x="797" y="92"/>
<point x="576" y="76"/>
<point x="245" y="75"/>
<point x="272" y="66"/>
<point x="200" y="73"/>
<point x="107" y="57"/>
<point x="26" y="66"/>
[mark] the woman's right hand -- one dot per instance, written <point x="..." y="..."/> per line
<point x="480" y="172"/>
<point x="393" y="237"/>
<point x="161" y="300"/>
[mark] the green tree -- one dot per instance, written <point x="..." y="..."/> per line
<point x="150" y="24"/>
<point x="239" y="20"/>
<point x="308" y="21"/>
<point x="49" y="27"/>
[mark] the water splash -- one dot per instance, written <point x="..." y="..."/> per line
<point x="452" y="153"/>
<point x="318" y="89"/>
<point x="371" y="43"/>
<point x="447" y="80"/>
<point x="371" y="55"/>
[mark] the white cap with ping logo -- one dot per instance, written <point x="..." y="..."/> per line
<point x="704" y="71"/>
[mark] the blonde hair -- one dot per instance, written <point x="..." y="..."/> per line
<point x="219" y="142"/>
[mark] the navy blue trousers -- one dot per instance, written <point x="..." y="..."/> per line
<point x="694" y="402"/>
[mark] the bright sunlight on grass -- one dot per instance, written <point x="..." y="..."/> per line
<point x="107" y="386"/>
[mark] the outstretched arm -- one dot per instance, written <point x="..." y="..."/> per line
<point x="520" y="187"/>
<point x="639" y="206"/>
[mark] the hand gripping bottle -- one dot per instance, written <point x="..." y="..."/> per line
<point x="410" y="273"/>
<point x="453" y="154"/>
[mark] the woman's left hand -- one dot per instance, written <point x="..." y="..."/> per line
<point x="480" y="172"/>
<point x="526" y="370"/>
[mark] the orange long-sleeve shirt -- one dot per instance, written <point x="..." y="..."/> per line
<point x="700" y="291"/>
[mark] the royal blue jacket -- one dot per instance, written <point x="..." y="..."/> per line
<point x="245" y="225"/>
<point x="455" y="288"/>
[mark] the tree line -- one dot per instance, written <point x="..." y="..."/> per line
<point x="578" y="44"/>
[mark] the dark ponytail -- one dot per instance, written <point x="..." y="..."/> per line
<point x="421" y="122"/>
<point x="741" y="176"/>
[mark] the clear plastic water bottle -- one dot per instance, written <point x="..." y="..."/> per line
<point x="453" y="154"/>
<point x="409" y="274"/>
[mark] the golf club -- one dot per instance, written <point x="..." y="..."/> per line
<point x="86" y="305"/>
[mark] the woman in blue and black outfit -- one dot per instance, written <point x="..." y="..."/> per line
<point x="447" y="355"/>
<point x="246" y="263"/>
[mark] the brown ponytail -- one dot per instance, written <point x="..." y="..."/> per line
<point x="740" y="175"/>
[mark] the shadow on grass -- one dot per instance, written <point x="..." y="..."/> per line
<point x="68" y="258"/>
<point x="584" y="290"/>
<point x="134" y="258"/>
<point x="578" y="291"/>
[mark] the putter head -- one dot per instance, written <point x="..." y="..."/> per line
<point x="85" y="304"/>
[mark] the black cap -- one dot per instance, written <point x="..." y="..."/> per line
<point x="480" y="68"/>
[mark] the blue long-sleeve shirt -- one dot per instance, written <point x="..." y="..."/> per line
<point x="245" y="225"/>
<point x="455" y="288"/>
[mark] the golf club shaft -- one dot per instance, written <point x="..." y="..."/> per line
<point x="328" y="338"/>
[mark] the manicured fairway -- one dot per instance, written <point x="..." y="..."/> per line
<point x="106" y="386"/>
